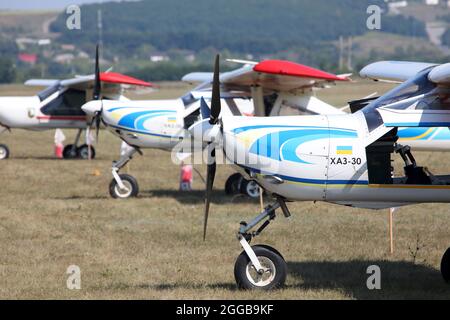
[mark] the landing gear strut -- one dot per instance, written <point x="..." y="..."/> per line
<point x="72" y="151"/>
<point x="260" y="267"/>
<point x="123" y="186"/>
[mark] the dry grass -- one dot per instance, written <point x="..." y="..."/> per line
<point x="56" y="213"/>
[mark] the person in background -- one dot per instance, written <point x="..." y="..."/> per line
<point x="186" y="177"/>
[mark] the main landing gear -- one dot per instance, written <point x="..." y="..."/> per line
<point x="72" y="151"/>
<point x="260" y="267"/>
<point x="237" y="184"/>
<point x="123" y="186"/>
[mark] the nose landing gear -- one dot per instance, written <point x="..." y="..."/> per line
<point x="260" y="267"/>
<point x="123" y="186"/>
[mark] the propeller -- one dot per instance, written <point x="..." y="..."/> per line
<point x="213" y="120"/>
<point x="96" y="119"/>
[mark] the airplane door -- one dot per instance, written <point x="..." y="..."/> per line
<point x="305" y="148"/>
<point x="347" y="157"/>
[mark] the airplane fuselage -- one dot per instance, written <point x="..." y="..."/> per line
<point x="153" y="123"/>
<point x="146" y="124"/>
<point x="29" y="113"/>
<point x="330" y="158"/>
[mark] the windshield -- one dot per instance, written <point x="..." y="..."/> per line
<point x="47" y="92"/>
<point x="188" y="99"/>
<point x="400" y="97"/>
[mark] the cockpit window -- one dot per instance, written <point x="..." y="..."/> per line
<point x="188" y="99"/>
<point x="67" y="104"/>
<point x="395" y="99"/>
<point x="47" y="92"/>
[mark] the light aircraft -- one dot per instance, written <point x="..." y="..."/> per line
<point x="341" y="159"/>
<point x="59" y="106"/>
<point x="161" y="124"/>
<point x="302" y="101"/>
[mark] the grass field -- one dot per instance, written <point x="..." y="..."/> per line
<point x="56" y="213"/>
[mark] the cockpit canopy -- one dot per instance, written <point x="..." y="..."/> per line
<point x="417" y="93"/>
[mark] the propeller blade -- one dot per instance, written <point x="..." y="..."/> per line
<point x="97" y="84"/>
<point x="215" y="101"/>
<point x="98" y="120"/>
<point x="210" y="175"/>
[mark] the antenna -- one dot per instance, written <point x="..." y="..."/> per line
<point x="350" y="54"/>
<point x="100" y="27"/>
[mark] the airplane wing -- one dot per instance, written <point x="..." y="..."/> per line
<point x="394" y="71"/>
<point x="112" y="83"/>
<point x="270" y="75"/>
<point x="41" y="82"/>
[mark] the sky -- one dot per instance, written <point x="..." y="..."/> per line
<point x="42" y="4"/>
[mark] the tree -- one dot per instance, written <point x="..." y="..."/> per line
<point x="7" y="70"/>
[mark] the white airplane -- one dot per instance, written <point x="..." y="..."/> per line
<point x="340" y="159"/>
<point x="161" y="124"/>
<point x="302" y="101"/>
<point x="59" y="106"/>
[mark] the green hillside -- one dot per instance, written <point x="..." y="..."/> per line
<point x="251" y="26"/>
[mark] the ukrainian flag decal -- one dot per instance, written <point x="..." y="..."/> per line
<point x="344" y="150"/>
<point x="172" y="120"/>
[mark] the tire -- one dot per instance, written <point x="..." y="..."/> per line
<point x="83" y="152"/>
<point x="445" y="266"/>
<point x="69" y="152"/>
<point x="233" y="184"/>
<point x="4" y="152"/>
<point x="130" y="182"/>
<point x="250" y="188"/>
<point x="244" y="272"/>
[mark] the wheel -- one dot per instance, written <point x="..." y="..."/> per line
<point x="70" y="152"/>
<point x="274" y="277"/>
<point x="4" y="152"/>
<point x="250" y="188"/>
<point x="131" y="187"/>
<point x="83" y="152"/>
<point x="445" y="266"/>
<point x="233" y="184"/>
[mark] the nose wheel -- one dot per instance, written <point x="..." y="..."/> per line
<point x="4" y="152"/>
<point x="272" y="274"/>
<point x="128" y="189"/>
<point x="445" y="266"/>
